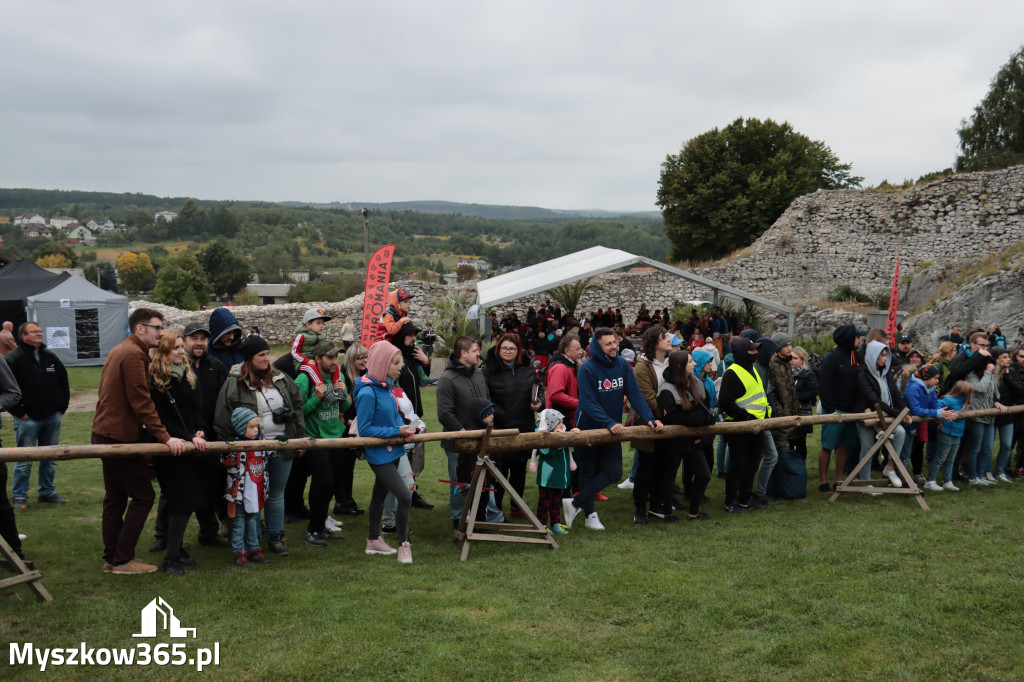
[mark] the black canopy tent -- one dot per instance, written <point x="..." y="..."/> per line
<point x="18" y="280"/>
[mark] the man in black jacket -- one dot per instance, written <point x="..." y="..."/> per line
<point x="44" y="400"/>
<point x="460" y="388"/>
<point x="837" y="382"/>
<point x="974" y="357"/>
<point x="210" y="375"/>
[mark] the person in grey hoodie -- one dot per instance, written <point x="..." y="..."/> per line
<point x="875" y="385"/>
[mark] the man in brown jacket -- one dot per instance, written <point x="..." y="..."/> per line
<point x="123" y="411"/>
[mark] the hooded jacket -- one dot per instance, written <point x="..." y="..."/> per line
<point x="732" y="388"/>
<point x="701" y="358"/>
<point x="872" y="387"/>
<point x="562" y="392"/>
<point x="457" y="387"/>
<point x="391" y="321"/>
<point x="603" y="382"/>
<point x="378" y="416"/>
<point x="837" y="376"/>
<point x="44" y="384"/>
<point x="786" y="399"/>
<point x="222" y="321"/>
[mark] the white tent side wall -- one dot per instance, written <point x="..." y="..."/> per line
<point x="80" y="321"/>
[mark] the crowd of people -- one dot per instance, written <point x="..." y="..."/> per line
<point x="548" y="372"/>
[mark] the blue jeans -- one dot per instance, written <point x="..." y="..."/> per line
<point x="609" y="455"/>
<point x="29" y="433"/>
<point x="245" y="533"/>
<point x="278" y="469"/>
<point x="945" y="457"/>
<point x="979" y="448"/>
<point x="769" y="458"/>
<point x="1005" y="446"/>
<point x="457" y="494"/>
<point x="721" y="456"/>
<point x="867" y="439"/>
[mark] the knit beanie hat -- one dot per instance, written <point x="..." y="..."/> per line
<point x="252" y="346"/>
<point x="549" y="419"/>
<point x="377" y="360"/>
<point x="240" y="419"/>
<point x="927" y="372"/>
<point x="781" y="339"/>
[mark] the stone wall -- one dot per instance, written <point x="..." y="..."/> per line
<point x="277" y="322"/>
<point x="830" y="238"/>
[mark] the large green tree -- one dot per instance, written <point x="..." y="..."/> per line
<point x="726" y="187"/>
<point x="191" y="220"/>
<point x="226" y="271"/>
<point x="994" y="137"/>
<point x="182" y="283"/>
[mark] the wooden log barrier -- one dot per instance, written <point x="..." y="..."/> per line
<point x="62" y="452"/>
<point x="502" y="440"/>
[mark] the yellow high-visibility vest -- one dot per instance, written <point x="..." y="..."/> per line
<point x="754" y="399"/>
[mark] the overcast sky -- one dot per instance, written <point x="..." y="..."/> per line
<point x="553" y="104"/>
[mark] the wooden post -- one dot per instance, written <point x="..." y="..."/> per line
<point x="468" y="524"/>
<point x="850" y="485"/>
<point x="23" y="574"/>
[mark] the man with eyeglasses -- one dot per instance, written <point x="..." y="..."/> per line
<point x="45" y="394"/>
<point x="976" y="356"/>
<point x="125" y="413"/>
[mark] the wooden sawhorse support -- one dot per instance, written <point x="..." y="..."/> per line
<point x="23" y="573"/>
<point x="469" y="527"/>
<point x="882" y="440"/>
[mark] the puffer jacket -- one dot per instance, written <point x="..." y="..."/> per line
<point x="511" y="391"/>
<point x="457" y="388"/>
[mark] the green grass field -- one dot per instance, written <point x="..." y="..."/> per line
<point x="863" y="588"/>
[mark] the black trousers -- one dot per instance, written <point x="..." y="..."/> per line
<point x="295" y="489"/>
<point x="8" y="526"/>
<point x="744" y="458"/>
<point x="655" y="473"/>
<point x="321" y="487"/>
<point x="343" y="468"/>
<point x="512" y="466"/>
<point x="696" y="465"/>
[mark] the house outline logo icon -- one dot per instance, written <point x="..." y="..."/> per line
<point x="159" y="615"/>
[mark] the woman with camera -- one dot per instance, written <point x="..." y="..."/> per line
<point x="275" y="399"/>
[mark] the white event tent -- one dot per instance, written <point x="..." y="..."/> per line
<point x="594" y="261"/>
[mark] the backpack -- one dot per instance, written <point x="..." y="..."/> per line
<point x="789" y="478"/>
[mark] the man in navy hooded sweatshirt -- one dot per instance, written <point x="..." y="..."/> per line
<point x="602" y="382"/>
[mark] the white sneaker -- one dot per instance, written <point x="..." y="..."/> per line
<point x="625" y="485"/>
<point x="569" y="511"/>
<point x="990" y="478"/>
<point x="332" y="525"/>
<point x="873" y="494"/>
<point x="22" y="536"/>
<point x="894" y="479"/>
<point x="977" y="481"/>
<point x="1004" y="478"/>
<point x="985" y="481"/>
<point x="948" y="485"/>
<point x="592" y="522"/>
<point x="932" y="485"/>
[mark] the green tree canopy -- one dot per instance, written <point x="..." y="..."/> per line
<point x="182" y="283"/>
<point x="726" y="187"/>
<point x="994" y="137"/>
<point x="226" y="271"/>
<point x="57" y="249"/>
<point x="135" y="271"/>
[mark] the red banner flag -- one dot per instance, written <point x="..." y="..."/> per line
<point x="890" y="323"/>
<point x="375" y="302"/>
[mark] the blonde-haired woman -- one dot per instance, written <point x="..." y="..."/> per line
<point x="172" y="384"/>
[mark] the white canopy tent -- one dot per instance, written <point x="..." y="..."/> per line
<point x="594" y="261"/>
